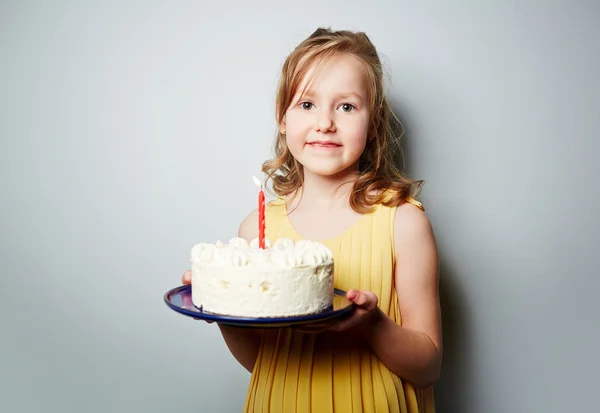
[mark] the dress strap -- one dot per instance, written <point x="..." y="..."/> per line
<point x="410" y="199"/>
<point x="275" y="215"/>
<point x="416" y="203"/>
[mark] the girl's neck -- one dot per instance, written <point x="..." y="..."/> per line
<point x="326" y="192"/>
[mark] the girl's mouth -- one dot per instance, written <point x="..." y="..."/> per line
<point x="323" y="144"/>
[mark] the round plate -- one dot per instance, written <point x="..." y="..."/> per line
<point x="179" y="299"/>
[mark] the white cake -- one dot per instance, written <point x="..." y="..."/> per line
<point x="240" y="279"/>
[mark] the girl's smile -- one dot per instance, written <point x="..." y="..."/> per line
<point x="323" y="145"/>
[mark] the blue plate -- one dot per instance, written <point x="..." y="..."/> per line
<point x="179" y="299"/>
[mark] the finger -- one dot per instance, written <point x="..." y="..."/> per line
<point x="352" y="294"/>
<point x="365" y="299"/>
<point x="186" y="278"/>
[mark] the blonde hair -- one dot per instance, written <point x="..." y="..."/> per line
<point x="380" y="180"/>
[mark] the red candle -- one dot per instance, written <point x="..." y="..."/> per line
<point x="261" y="213"/>
<point x="261" y="218"/>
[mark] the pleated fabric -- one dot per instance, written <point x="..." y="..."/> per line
<point x="336" y="372"/>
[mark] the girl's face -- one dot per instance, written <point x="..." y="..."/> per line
<point x="326" y="128"/>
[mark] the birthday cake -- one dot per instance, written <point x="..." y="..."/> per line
<point x="240" y="279"/>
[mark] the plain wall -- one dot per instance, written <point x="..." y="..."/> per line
<point x="130" y="131"/>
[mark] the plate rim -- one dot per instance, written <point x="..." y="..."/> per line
<point x="258" y="321"/>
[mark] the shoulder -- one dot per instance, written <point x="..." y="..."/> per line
<point x="412" y="226"/>
<point x="248" y="228"/>
<point x="415" y="252"/>
<point x="392" y="197"/>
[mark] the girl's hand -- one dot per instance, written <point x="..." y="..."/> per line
<point x="186" y="278"/>
<point x="365" y="313"/>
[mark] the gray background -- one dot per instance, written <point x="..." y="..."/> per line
<point x="130" y="132"/>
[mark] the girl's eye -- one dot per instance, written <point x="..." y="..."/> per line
<point x="347" y="107"/>
<point x="307" y="105"/>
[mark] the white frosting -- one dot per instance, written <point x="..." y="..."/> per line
<point x="241" y="279"/>
<point x="239" y="253"/>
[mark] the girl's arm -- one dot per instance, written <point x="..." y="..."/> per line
<point x="413" y="351"/>
<point x="243" y="344"/>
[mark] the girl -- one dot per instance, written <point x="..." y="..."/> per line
<point x="337" y="183"/>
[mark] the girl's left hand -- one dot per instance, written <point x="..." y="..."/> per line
<point x="364" y="314"/>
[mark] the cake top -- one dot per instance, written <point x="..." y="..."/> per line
<point x="284" y="252"/>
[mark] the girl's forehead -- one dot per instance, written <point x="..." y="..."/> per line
<point x="340" y="73"/>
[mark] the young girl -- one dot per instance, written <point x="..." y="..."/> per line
<point x="337" y="183"/>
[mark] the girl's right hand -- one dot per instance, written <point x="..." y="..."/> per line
<point x="186" y="278"/>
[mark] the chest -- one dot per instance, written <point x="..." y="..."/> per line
<point x="324" y="224"/>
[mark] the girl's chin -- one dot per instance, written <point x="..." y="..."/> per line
<point x="338" y="171"/>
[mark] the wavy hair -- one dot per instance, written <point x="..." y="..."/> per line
<point x="380" y="180"/>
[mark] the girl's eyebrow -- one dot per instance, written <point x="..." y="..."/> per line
<point x="351" y="95"/>
<point x="341" y="95"/>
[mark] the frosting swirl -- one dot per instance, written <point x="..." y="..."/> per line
<point x="284" y="252"/>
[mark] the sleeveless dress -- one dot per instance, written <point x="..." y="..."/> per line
<point x="326" y="373"/>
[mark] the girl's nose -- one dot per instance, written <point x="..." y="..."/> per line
<point x="325" y="122"/>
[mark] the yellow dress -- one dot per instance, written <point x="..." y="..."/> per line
<point x="323" y="373"/>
